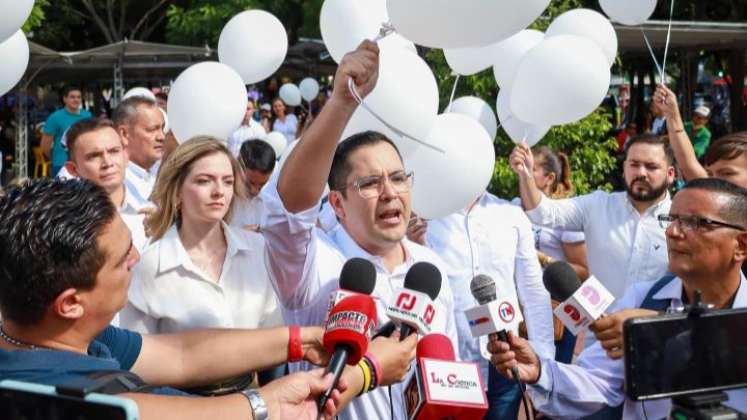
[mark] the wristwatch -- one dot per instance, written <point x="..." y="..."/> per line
<point x="259" y="408"/>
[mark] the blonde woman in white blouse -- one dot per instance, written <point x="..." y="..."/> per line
<point x="198" y="271"/>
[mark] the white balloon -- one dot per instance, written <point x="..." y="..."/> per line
<point x="344" y="24"/>
<point x="290" y="94"/>
<point x="309" y="88"/>
<point x="560" y="81"/>
<point x="278" y="142"/>
<point x="166" y="126"/>
<point x="207" y="98"/>
<point x="508" y="53"/>
<point x="478" y="110"/>
<point x="517" y="129"/>
<point x="628" y="12"/>
<point x="469" y="61"/>
<point x="398" y="41"/>
<point x="15" y="58"/>
<point x="254" y="43"/>
<point x="140" y="91"/>
<point x="466" y="23"/>
<point x="447" y="182"/>
<point x="405" y="96"/>
<point x="589" y="24"/>
<point x="14" y="14"/>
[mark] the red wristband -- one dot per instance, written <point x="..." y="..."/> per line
<point x="376" y="366"/>
<point x="295" y="348"/>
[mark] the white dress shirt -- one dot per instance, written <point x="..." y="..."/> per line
<point x="573" y="391"/>
<point x="247" y="211"/>
<point x="305" y="264"/>
<point x="287" y="127"/>
<point x="169" y="293"/>
<point x="129" y="211"/>
<point x="623" y="246"/>
<point x="245" y="132"/>
<point x="493" y="238"/>
<point x="139" y="183"/>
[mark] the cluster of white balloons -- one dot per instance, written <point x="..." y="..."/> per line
<point x="14" y="48"/>
<point x="210" y="98"/>
<point x="292" y="95"/>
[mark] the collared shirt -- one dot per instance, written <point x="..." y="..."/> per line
<point x="493" y="238"/>
<point x="129" y="211"/>
<point x="245" y="132"/>
<point x="574" y="391"/>
<point x="305" y="264"/>
<point x="248" y="212"/>
<point x="139" y="182"/>
<point x="623" y="245"/>
<point x="169" y="293"/>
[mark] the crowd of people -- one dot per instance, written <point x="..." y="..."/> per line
<point x="199" y="267"/>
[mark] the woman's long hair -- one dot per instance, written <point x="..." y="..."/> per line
<point x="556" y="163"/>
<point x="174" y="172"/>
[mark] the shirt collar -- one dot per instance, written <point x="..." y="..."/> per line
<point x="138" y="171"/>
<point x="651" y="211"/>
<point x="173" y="254"/>
<point x="673" y="292"/>
<point x="351" y="249"/>
<point x="130" y="203"/>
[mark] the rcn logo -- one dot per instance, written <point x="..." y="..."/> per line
<point x="506" y="312"/>
<point x="407" y="302"/>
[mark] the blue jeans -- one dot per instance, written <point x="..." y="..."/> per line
<point x="504" y="397"/>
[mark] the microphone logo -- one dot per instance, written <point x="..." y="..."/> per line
<point x="348" y="320"/>
<point x="591" y="295"/>
<point x="506" y="312"/>
<point x="430" y="312"/>
<point x="406" y="301"/>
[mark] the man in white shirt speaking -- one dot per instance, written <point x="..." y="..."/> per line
<point x="370" y="195"/>
<point x="624" y="241"/>
<point x="140" y="123"/>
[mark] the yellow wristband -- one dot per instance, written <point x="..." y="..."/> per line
<point x="366" y="376"/>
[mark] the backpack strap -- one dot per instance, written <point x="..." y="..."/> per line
<point x="660" y="305"/>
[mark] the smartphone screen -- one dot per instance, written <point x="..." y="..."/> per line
<point x="25" y="405"/>
<point x="676" y="354"/>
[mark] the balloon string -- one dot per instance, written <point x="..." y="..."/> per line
<point x="359" y="99"/>
<point x="653" y="55"/>
<point x="453" y="91"/>
<point x="385" y="30"/>
<point x="669" y="35"/>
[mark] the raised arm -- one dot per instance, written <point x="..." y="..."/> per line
<point x="306" y="170"/>
<point x="522" y="162"/>
<point x="666" y="101"/>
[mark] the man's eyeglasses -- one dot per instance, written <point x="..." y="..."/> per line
<point x="373" y="186"/>
<point x="693" y="223"/>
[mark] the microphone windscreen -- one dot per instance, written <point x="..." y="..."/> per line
<point x="424" y="277"/>
<point x="436" y="346"/>
<point x="358" y="275"/>
<point x="351" y="323"/>
<point x="483" y="289"/>
<point x="560" y="280"/>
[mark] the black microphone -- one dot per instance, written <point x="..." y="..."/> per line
<point x="422" y="277"/>
<point x="560" y="280"/>
<point x="358" y="275"/>
<point x="484" y="291"/>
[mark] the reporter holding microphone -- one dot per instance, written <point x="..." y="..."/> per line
<point x="706" y="233"/>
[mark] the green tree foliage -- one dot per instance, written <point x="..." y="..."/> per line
<point x="198" y="22"/>
<point x="587" y="142"/>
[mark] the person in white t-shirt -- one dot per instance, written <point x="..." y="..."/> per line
<point x="552" y="175"/>
<point x="140" y="123"/>
<point x="283" y="122"/>
<point x="258" y="160"/>
<point x="199" y="272"/>
<point x="97" y="154"/>
<point x="250" y="129"/>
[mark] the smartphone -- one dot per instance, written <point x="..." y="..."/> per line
<point x="677" y="354"/>
<point x="26" y="401"/>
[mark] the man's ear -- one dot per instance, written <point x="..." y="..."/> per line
<point x="740" y="253"/>
<point x="335" y="200"/>
<point x="72" y="168"/>
<point x="68" y="305"/>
